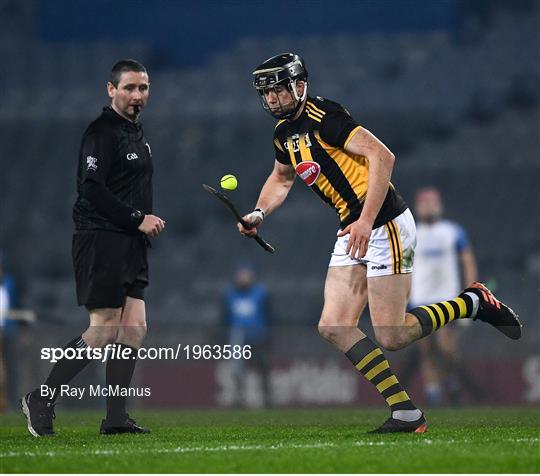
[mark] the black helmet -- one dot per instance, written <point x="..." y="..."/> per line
<point x="284" y="69"/>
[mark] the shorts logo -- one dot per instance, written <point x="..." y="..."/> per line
<point x="381" y="266"/>
<point x="308" y="171"/>
<point x="91" y="163"/>
<point x="132" y="156"/>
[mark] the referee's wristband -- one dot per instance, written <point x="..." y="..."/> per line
<point x="259" y="212"/>
<point x="136" y="218"/>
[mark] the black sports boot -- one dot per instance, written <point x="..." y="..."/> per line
<point x="126" y="426"/>
<point x="39" y="415"/>
<point x="494" y="312"/>
<point x="399" y="426"/>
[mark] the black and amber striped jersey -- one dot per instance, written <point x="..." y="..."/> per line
<point x="314" y="144"/>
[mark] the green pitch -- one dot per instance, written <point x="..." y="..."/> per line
<point x="273" y="441"/>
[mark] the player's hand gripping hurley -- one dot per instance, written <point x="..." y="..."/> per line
<point x="227" y="202"/>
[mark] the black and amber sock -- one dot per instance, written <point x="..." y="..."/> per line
<point x="371" y="362"/>
<point x="435" y="316"/>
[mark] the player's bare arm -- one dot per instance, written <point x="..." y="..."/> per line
<point x="381" y="163"/>
<point x="273" y="194"/>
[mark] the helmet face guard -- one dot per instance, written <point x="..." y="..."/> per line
<point x="285" y="71"/>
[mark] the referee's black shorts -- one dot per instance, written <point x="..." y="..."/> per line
<point x="108" y="267"/>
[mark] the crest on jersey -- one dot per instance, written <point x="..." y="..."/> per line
<point x="308" y="171"/>
<point x="91" y="163"/>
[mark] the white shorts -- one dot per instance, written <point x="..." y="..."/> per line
<point x="390" y="249"/>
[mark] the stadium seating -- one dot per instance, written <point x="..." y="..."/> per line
<point x="461" y="116"/>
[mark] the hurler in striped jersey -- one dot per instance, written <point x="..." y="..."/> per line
<point x="350" y="169"/>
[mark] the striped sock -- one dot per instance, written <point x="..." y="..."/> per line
<point x="370" y="361"/>
<point x="435" y="316"/>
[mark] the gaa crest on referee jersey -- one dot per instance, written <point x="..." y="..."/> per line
<point x="91" y="163"/>
<point x="308" y="171"/>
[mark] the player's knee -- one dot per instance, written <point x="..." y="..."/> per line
<point x="333" y="332"/>
<point x="327" y="332"/>
<point x="391" y="340"/>
<point x="99" y="337"/>
<point x="133" y="334"/>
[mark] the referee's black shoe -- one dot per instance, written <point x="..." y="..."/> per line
<point x="399" y="426"/>
<point x="494" y="312"/>
<point x="39" y="415"/>
<point x="126" y="426"/>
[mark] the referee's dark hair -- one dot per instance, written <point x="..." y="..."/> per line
<point x="124" y="66"/>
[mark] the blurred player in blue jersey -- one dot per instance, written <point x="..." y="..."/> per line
<point x="247" y="318"/>
<point x="444" y="264"/>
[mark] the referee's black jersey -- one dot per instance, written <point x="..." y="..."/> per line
<point x="114" y="176"/>
<point x="314" y="144"/>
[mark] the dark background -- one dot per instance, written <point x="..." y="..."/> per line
<point x="450" y="86"/>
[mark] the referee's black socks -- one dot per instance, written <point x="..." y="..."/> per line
<point x="65" y="369"/>
<point x="120" y="368"/>
<point x="371" y="362"/>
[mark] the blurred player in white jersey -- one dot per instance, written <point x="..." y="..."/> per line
<point x="444" y="264"/>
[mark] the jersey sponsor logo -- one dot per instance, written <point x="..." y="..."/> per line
<point x="91" y="163"/>
<point x="308" y="171"/>
<point x="132" y="156"/>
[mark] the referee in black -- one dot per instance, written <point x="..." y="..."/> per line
<point x="113" y="220"/>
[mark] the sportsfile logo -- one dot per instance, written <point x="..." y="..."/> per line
<point x="308" y="171"/>
<point x="181" y="351"/>
<point x="91" y="163"/>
